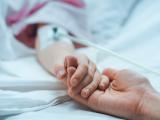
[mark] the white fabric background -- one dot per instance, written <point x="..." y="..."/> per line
<point x="138" y="39"/>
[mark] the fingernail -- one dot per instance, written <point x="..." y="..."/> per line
<point x="85" y="93"/>
<point x="74" y="83"/>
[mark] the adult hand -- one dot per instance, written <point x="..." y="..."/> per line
<point x="123" y="97"/>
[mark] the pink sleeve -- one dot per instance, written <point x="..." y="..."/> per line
<point x="33" y="12"/>
<point x="26" y="11"/>
<point x="78" y="3"/>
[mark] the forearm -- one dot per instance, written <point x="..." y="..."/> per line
<point x="150" y="107"/>
<point x="53" y="55"/>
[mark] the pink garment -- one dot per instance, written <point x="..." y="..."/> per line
<point x="28" y="33"/>
<point x="20" y="20"/>
<point x="78" y="3"/>
<point x="25" y="12"/>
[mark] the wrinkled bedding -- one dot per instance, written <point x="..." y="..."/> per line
<point x="137" y="39"/>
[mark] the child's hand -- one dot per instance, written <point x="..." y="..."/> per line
<point x="81" y="76"/>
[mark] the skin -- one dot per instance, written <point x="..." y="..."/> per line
<point x="128" y="95"/>
<point x="52" y="59"/>
<point x="56" y="58"/>
<point x="86" y="78"/>
<point x="122" y="93"/>
<point x="53" y="56"/>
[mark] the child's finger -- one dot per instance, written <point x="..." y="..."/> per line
<point x="80" y="73"/>
<point x="59" y="72"/>
<point x="91" y="70"/>
<point x="86" y="81"/>
<point x="104" y="83"/>
<point x="70" y="61"/>
<point x="88" y="78"/>
<point x="88" y="90"/>
<point x="70" y="72"/>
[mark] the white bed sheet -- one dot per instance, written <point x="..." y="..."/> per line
<point x="31" y="88"/>
<point x="138" y="40"/>
<point x="66" y="111"/>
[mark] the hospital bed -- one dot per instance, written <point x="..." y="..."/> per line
<point x="136" y="41"/>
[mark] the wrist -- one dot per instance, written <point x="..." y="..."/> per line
<point x="149" y="106"/>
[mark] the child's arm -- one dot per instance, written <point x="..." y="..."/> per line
<point x="52" y="56"/>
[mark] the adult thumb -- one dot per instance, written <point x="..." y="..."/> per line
<point x="110" y="73"/>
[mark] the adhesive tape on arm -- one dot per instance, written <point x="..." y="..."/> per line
<point x="50" y="34"/>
